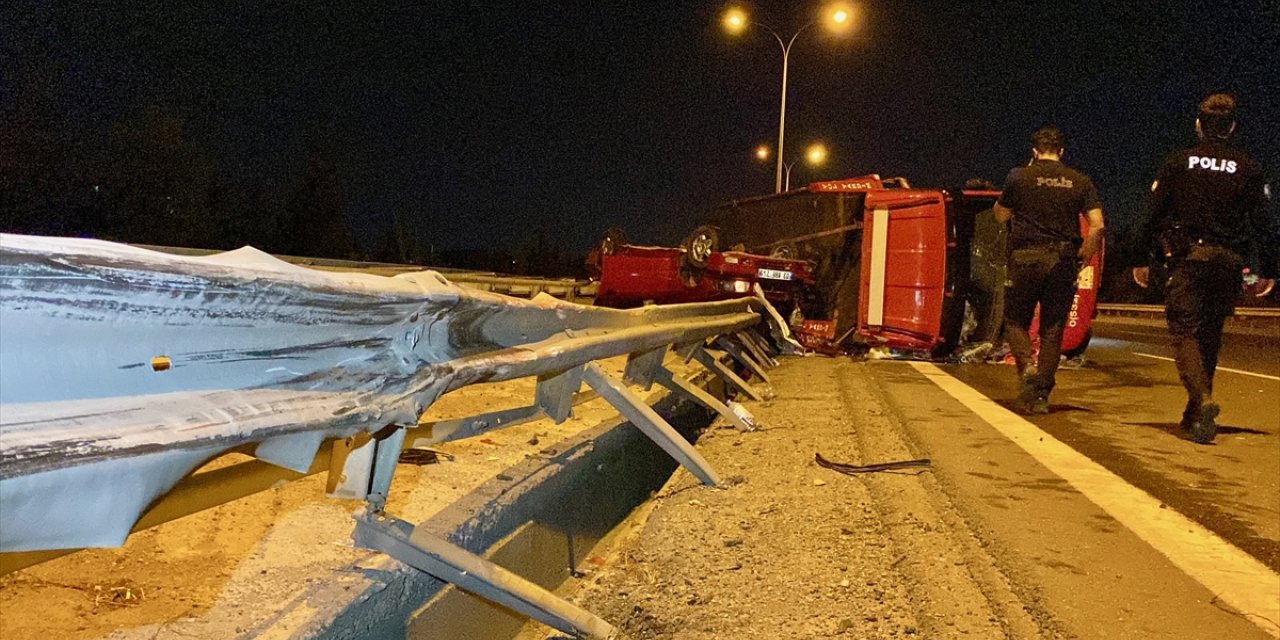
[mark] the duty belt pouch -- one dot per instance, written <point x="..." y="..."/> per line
<point x="1158" y="278"/>
<point x="1213" y="253"/>
<point x="1175" y="243"/>
<point x="1046" y="254"/>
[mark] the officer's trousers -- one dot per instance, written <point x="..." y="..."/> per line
<point x="1045" y="276"/>
<point x="1199" y="296"/>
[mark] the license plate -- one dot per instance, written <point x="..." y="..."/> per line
<point x="774" y="274"/>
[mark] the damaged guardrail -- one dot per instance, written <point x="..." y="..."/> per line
<point x="519" y="286"/>
<point x="1158" y="310"/>
<point x="526" y="287"/>
<point x="123" y="369"/>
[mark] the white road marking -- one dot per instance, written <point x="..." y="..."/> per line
<point x="1235" y="577"/>
<point x="1239" y="371"/>
<point x="1146" y="334"/>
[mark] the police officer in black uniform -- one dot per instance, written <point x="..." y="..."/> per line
<point x="1044" y="200"/>
<point x="1206" y="208"/>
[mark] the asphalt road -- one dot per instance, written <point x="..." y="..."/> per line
<point x="1008" y="533"/>
<point x="1122" y="410"/>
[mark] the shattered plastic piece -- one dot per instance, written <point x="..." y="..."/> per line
<point x="974" y="353"/>
<point x="743" y="414"/>
<point x="1077" y="362"/>
<point x="889" y="353"/>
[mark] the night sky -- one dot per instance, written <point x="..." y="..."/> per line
<point x="488" y="122"/>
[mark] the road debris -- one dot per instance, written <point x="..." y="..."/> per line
<point x="423" y="456"/>
<point x="743" y="414"/>
<point x="850" y="469"/>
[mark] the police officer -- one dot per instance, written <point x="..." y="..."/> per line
<point x="1206" y="208"/>
<point x="1044" y="201"/>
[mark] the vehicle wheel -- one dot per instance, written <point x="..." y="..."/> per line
<point x="612" y="241"/>
<point x="786" y="251"/>
<point x="700" y="244"/>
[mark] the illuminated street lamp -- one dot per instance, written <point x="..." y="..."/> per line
<point x="837" y="17"/>
<point x="814" y="156"/>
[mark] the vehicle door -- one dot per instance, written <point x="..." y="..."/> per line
<point x="903" y="284"/>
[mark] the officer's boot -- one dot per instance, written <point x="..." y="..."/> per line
<point x="1026" y="389"/>
<point x="1040" y="405"/>
<point x="1204" y="427"/>
<point x="1189" y="415"/>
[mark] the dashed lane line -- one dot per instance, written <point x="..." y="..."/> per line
<point x="1239" y="371"/>
<point x="1236" y="578"/>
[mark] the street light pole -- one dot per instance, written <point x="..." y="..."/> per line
<point x="815" y="155"/>
<point x="786" y="184"/>
<point x="736" y="21"/>
<point x="782" y="111"/>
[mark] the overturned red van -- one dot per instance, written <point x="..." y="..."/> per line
<point x="895" y="266"/>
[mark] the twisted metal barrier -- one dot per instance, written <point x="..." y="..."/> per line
<point x="123" y="369"/>
<point x="1158" y="310"/>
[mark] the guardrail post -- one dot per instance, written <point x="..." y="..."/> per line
<point x="642" y="368"/>
<point x="687" y="351"/>
<point x="752" y="340"/>
<point x="715" y="366"/>
<point x="648" y="421"/>
<point x="679" y="385"/>
<point x="362" y="469"/>
<point x="735" y="349"/>
<point x="473" y="574"/>
<point x="554" y="393"/>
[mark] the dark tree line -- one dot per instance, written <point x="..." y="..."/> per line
<point x="144" y="179"/>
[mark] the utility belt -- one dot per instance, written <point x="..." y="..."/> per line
<point x="1180" y="246"/>
<point x="1176" y="242"/>
<point x="1180" y="243"/>
<point x="1060" y="250"/>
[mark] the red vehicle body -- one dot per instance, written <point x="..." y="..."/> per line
<point x="633" y="275"/>
<point x="903" y="282"/>
<point x="894" y="263"/>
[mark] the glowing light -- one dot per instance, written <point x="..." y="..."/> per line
<point x="735" y="20"/>
<point x="762" y="152"/>
<point x="838" y="17"/>
<point x="816" y="154"/>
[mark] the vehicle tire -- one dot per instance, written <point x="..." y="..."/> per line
<point x="612" y="241"/>
<point x="699" y="246"/>
<point x="609" y="244"/>
<point x="786" y="251"/>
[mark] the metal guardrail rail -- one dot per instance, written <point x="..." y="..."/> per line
<point x="123" y="369"/>
<point x="1158" y="310"/>
<point x="519" y="286"/>
<point x="567" y="288"/>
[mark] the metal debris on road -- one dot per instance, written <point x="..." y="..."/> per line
<point x="850" y="469"/>
<point x="424" y="456"/>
